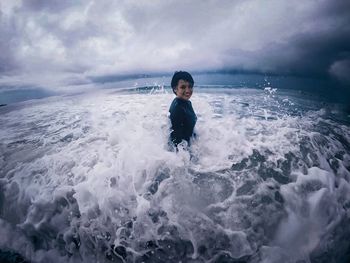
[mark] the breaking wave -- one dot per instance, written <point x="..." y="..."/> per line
<point x="89" y="178"/>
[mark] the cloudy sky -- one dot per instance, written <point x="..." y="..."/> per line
<point x="76" y="41"/>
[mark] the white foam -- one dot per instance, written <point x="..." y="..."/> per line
<point x="313" y="210"/>
<point x="107" y="149"/>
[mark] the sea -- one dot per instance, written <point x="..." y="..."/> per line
<point x="89" y="176"/>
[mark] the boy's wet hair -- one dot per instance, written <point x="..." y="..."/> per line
<point x="181" y="75"/>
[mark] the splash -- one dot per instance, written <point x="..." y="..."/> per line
<point x="89" y="178"/>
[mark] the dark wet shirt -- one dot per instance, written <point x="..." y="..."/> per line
<point x="183" y="119"/>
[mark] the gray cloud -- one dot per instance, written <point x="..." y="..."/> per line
<point x="53" y="6"/>
<point x="89" y="39"/>
<point x="8" y="45"/>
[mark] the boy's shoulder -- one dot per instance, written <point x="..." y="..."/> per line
<point x="177" y="105"/>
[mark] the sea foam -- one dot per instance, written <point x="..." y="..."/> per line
<point x="91" y="178"/>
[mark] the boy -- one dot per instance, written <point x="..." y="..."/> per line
<point x="182" y="116"/>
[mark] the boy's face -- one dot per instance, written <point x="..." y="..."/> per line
<point x="183" y="90"/>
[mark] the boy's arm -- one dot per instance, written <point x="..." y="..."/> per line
<point x="177" y="117"/>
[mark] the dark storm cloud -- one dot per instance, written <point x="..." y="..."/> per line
<point x="91" y="39"/>
<point x="312" y="53"/>
<point x="302" y="54"/>
<point x="316" y="53"/>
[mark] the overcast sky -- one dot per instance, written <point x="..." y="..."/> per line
<point x="74" y="41"/>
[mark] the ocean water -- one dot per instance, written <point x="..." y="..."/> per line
<point x="90" y="178"/>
